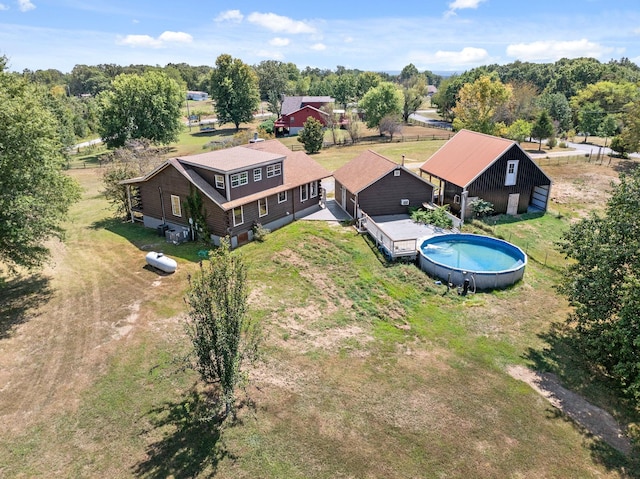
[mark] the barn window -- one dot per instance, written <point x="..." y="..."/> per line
<point x="263" y="209"/>
<point x="396" y="172"/>
<point x="456" y="199"/>
<point x="176" y="208"/>
<point x="238" y="216"/>
<point x="512" y="173"/>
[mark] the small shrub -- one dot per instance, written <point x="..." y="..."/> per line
<point x="552" y="142"/>
<point x="481" y="208"/>
<point x="436" y="217"/>
<point x="563" y="145"/>
<point x="260" y="232"/>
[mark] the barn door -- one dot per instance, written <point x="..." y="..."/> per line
<point x="512" y="205"/>
<point x="344" y="198"/>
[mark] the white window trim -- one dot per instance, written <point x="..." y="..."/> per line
<point x="242" y="179"/>
<point x="176" y="207"/>
<point x="304" y="189"/>
<point x="284" y="198"/>
<point x="233" y="212"/>
<point x="257" y="174"/>
<point x="220" y="182"/>
<point x="313" y="189"/>
<point x="511" y="178"/>
<point x="266" y="207"/>
<point x="456" y="199"/>
<point x="274" y="170"/>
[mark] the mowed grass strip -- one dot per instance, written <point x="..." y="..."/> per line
<point x="370" y="369"/>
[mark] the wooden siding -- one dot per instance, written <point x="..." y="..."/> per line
<point x="256" y="186"/>
<point x="490" y="185"/>
<point x="252" y="217"/>
<point x="383" y="197"/>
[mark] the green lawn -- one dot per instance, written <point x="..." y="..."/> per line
<point x="369" y="369"/>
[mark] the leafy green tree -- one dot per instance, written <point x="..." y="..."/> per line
<point x="608" y="128"/>
<point x="275" y="80"/>
<point x="408" y="72"/>
<point x="478" y="104"/>
<point x="385" y="99"/>
<point x="222" y="334"/>
<point x="620" y="146"/>
<point x="542" y="128"/>
<point x="590" y="117"/>
<point x="630" y="135"/>
<point x="519" y="130"/>
<point x="557" y="105"/>
<point x="602" y="283"/>
<point x="234" y="87"/>
<point x="141" y="106"/>
<point x="413" y="93"/>
<point x="115" y="192"/>
<point x="35" y="194"/>
<point x="311" y="135"/>
<point x="344" y="90"/>
<point x="365" y="82"/>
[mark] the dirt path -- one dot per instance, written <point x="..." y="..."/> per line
<point x="594" y="419"/>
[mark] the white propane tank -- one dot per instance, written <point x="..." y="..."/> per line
<point x="161" y="262"/>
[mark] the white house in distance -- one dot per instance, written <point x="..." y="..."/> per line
<point x="197" y="95"/>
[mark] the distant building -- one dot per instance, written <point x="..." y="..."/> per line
<point x="296" y="110"/>
<point x="197" y="95"/>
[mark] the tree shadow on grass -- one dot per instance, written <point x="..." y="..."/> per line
<point x="20" y="295"/>
<point x="191" y="441"/>
<point x="561" y="357"/>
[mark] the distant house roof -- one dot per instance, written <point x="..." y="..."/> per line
<point x="294" y="103"/>
<point x="364" y="170"/>
<point x="298" y="169"/>
<point x="465" y="156"/>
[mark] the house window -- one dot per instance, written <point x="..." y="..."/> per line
<point x="282" y="197"/>
<point x="396" y="172"/>
<point x="263" y="209"/>
<point x="304" y="192"/>
<point x="239" y="179"/>
<point x="220" y="182"/>
<point x="314" y="189"/>
<point x="456" y="199"/>
<point x="238" y="216"/>
<point x="176" y="208"/>
<point x="512" y="173"/>
<point x="257" y="174"/>
<point x="274" y="170"/>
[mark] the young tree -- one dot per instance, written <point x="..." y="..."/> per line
<point x="331" y="122"/>
<point x="590" y="117"/>
<point x="311" y="135"/>
<point x="35" y="194"/>
<point x="234" y="88"/>
<point x="385" y="99"/>
<point x="478" y="104"/>
<point x="390" y="124"/>
<point x="602" y="284"/>
<point x="413" y="94"/>
<point x="542" y="128"/>
<point x="519" y="130"/>
<point x="353" y="127"/>
<point x="221" y="333"/>
<point x="141" y="106"/>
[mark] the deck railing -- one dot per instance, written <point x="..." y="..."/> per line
<point x="391" y="249"/>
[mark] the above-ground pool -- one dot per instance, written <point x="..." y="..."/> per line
<point x="487" y="263"/>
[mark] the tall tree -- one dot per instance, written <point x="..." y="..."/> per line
<point x="630" y="135"/>
<point x="311" y="135"/>
<point x="478" y="104"/>
<point x="365" y="82"/>
<point x="385" y="99"/>
<point x="234" y="88"/>
<point x="557" y="105"/>
<point x="344" y="90"/>
<point x="603" y="284"/>
<point x="542" y="128"/>
<point x="413" y="91"/>
<point x="35" y="194"/>
<point x="275" y="80"/>
<point x="590" y="118"/>
<point x="141" y="106"/>
<point x="221" y="333"/>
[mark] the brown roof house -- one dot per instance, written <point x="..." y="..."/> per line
<point x="262" y="182"/>
<point x="473" y="165"/>
<point x="296" y="110"/>
<point x="375" y="185"/>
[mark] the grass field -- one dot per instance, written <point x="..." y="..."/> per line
<point x="369" y="370"/>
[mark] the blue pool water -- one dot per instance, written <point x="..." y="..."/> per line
<point x="487" y="263"/>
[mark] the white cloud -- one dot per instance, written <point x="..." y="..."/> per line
<point x="3" y="7"/>
<point x="271" y="55"/>
<point x="230" y="16"/>
<point x="278" y="23"/>
<point x="319" y="47"/>
<point x="466" y="56"/>
<point x="462" y="5"/>
<point x="150" y="42"/>
<point x="551" y="50"/>
<point x="175" y="37"/>
<point x="279" y="42"/>
<point x="25" y="5"/>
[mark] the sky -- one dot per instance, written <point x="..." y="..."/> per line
<point x="435" y="35"/>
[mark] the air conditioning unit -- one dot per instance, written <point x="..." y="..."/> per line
<point x="404" y="202"/>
